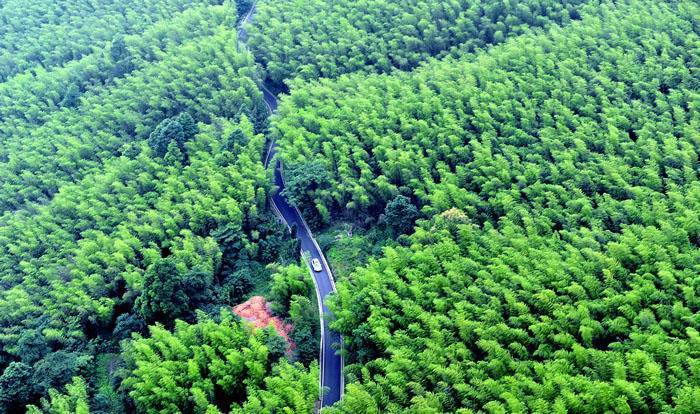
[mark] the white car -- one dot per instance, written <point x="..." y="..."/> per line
<point x="316" y="265"/>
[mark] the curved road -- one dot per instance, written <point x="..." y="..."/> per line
<point x="331" y="364"/>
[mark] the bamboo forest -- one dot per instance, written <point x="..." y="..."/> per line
<point x="348" y="207"/>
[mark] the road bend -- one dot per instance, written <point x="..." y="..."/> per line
<point x="330" y="361"/>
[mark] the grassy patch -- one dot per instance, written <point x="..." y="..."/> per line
<point x="105" y="366"/>
<point x="346" y="246"/>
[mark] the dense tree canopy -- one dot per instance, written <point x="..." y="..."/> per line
<point x="73" y="401"/>
<point x="102" y="233"/>
<point x="45" y="33"/>
<point x="176" y="130"/>
<point x="304" y="179"/>
<point x="30" y="98"/>
<point x="559" y="270"/>
<point x="15" y="387"/>
<point x="308" y="39"/>
<point x="400" y="215"/>
<point x="92" y="242"/>
<point x="163" y="297"/>
<point x="510" y="190"/>
<point x="205" y="77"/>
<point x="543" y="123"/>
<point x="214" y="367"/>
<point x="293" y="296"/>
<point x="505" y="320"/>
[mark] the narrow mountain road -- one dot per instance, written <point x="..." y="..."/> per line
<point x="331" y="364"/>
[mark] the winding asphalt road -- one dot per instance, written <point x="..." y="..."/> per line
<point x="331" y="364"/>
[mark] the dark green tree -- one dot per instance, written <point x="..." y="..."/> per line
<point x="237" y="284"/>
<point x="121" y="59"/>
<point x="178" y="130"/>
<point x="58" y="368"/>
<point x="16" y="388"/>
<point x="188" y="124"/>
<point x="199" y="288"/>
<point x="32" y="346"/>
<point x="274" y="343"/>
<point x="169" y="130"/>
<point x="163" y="298"/>
<point x="71" y="96"/>
<point x="128" y="323"/>
<point x="259" y="115"/>
<point x="306" y="333"/>
<point x="236" y="140"/>
<point x="400" y="215"/>
<point x="302" y="181"/>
